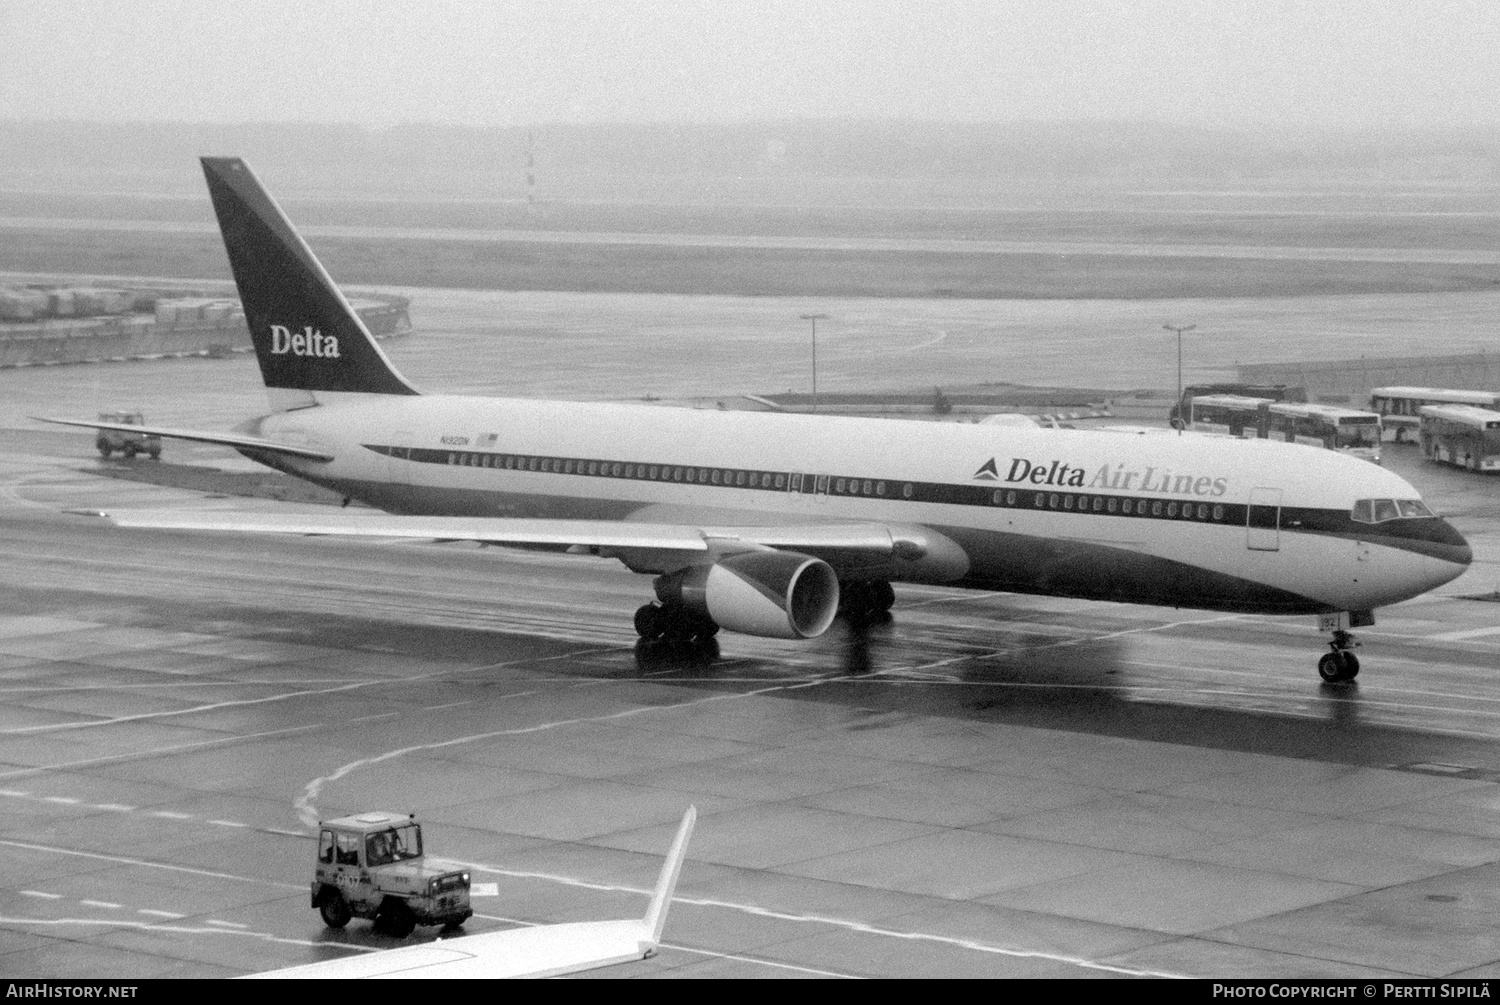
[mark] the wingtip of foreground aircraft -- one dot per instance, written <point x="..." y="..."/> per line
<point x="538" y="951"/>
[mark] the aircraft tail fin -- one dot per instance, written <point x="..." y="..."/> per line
<point x="306" y="336"/>
<point x="666" y="883"/>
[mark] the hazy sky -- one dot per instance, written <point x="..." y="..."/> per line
<point x="1220" y="62"/>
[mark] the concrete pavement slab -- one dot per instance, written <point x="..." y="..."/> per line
<point x="1167" y="895"/>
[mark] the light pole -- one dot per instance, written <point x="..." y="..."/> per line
<point x="814" y="318"/>
<point x="1179" y="329"/>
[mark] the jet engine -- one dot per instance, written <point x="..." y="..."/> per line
<point x="775" y="594"/>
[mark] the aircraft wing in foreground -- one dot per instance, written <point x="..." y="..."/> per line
<point x="540" y="951"/>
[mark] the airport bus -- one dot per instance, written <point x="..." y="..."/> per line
<point x="1345" y="429"/>
<point x="1230" y="415"/>
<point x="1271" y="392"/>
<point x="1400" y="408"/>
<point x="1465" y="435"/>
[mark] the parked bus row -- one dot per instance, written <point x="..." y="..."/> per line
<point x="1400" y="408"/>
<point x="1329" y="426"/>
<point x="1453" y="427"/>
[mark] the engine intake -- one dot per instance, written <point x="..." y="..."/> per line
<point x="774" y="594"/>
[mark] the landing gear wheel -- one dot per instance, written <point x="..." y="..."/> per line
<point x="1338" y="667"/>
<point x="865" y="601"/>
<point x="104" y="448"/>
<point x="657" y="622"/>
<point x="335" y="911"/>
<point x="129" y="451"/>
<point x="651" y="622"/>
<point x="397" y="920"/>
<point x="855" y="598"/>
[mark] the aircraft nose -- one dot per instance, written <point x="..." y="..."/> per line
<point x="1449" y="557"/>
<point x="1456" y="548"/>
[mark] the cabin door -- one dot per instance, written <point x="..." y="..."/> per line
<point x="1263" y="520"/>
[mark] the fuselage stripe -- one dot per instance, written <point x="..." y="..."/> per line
<point x="1047" y="499"/>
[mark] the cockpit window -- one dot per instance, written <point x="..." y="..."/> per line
<point x="1381" y="510"/>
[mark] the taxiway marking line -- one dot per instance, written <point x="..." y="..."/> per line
<point x="1472" y="633"/>
<point x="116" y="720"/>
<point x="165" y="814"/>
<point x="287" y="696"/>
<point x="152" y="926"/>
<point x="101" y="903"/>
<point x="131" y="755"/>
<point x="846" y="924"/>
<point x="39" y="893"/>
<point x="308" y="811"/>
<point x="126" y="860"/>
<point x="1365" y="687"/>
<point x="175" y="684"/>
<point x="1082" y="640"/>
<point x="775" y="964"/>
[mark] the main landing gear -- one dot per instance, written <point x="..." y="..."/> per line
<point x="664" y="623"/>
<point x="1341" y="665"/>
<point x="865" y="600"/>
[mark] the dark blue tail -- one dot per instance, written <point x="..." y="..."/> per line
<point x="306" y="335"/>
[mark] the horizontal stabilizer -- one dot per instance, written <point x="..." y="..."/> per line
<point x="223" y="439"/>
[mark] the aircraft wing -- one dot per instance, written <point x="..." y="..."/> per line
<point x="584" y="535"/>
<point x="541" y="951"/>
<point x="225" y="439"/>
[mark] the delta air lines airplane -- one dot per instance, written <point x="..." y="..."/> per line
<point x="770" y="524"/>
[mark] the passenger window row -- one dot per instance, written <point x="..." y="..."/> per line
<point x="1167" y="509"/>
<point x="723" y="477"/>
<point x="929" y="492"/>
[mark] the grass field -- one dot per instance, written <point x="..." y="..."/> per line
<point x="1415" y="219"/>
<point x="637" y="268"/>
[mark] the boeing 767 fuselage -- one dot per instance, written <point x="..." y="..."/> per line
<point x="770" y="523"/>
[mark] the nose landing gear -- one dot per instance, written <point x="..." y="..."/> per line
<point x="1341" y="665"/>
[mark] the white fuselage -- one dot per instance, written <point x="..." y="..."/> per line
<point x="1185" y="520"/>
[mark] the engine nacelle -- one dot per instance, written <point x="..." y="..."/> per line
<point x="774" y="594"/>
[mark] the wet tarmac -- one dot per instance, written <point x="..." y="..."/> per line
<point x="987" y="785"/>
